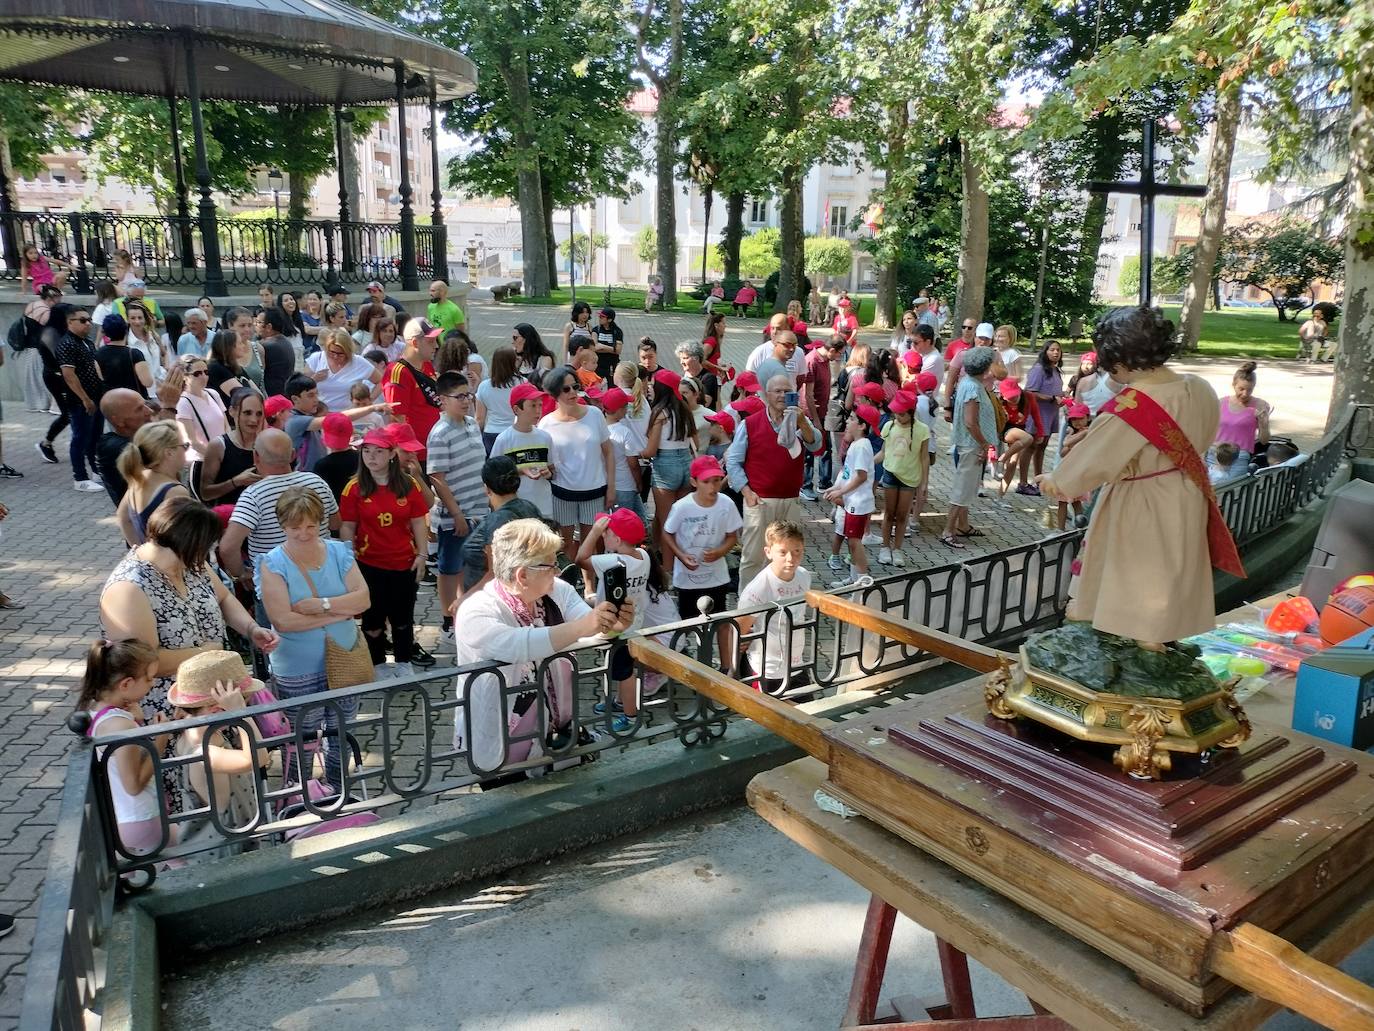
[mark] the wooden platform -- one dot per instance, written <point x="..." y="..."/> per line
<point x="1064" y="975"/>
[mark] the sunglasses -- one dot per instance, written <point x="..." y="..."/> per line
<point x="568" y="388"/>
<point x="543" y="565"/>
<point x="197" y="375"/>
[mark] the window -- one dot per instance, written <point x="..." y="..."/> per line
<point x="839" y="220"/>
<point x="629" y="209"/>
<point x="628" y="264"/>
<point x="758" y="211"/>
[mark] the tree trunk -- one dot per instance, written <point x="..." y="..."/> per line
<point x="298" y="199"/>
<point x="529" y="183"/>
<point x="1213" y="213"/>
<point x="550" y="243"/>
<point x="1354" y="373"/>
<point x="665" y="200"/>
<point x="793" y="270"/>
<point x="895" y="207"/>
<point x="884" y="314"/>
<point x="973" y="239"/>
<point x="733" y="234"/>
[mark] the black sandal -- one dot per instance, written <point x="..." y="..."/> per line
<point x="973" y="532"/>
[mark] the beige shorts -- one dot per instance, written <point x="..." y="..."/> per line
<point x="968" y="477"/>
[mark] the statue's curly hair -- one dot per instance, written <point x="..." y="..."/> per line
<point x="1137" y="337"/>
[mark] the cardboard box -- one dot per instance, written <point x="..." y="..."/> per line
<point x="1335" y="693"/>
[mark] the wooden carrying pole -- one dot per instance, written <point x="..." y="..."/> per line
<point x="1246" y="955"/>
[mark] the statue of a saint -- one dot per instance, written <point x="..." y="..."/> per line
<point x="1156" y="532"/>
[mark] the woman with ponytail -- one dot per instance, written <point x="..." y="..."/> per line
<point x="151" y="464"/>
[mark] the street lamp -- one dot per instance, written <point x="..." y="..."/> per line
<point x="275" y="180"/>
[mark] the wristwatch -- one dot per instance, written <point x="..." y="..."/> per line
<point x="324" y="604"/>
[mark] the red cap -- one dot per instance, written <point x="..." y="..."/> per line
<point x="379" y="437"/>
<point x="1088" y="354"/>
<point x="724" y="420"/>
<point x="627" y="526"/>
<point x="911" y="360"/>
<point x="926" y="382"/>
<point x="1077" y="410"/>
<point x="669" y="379"/>
<point x="548" y="402"/>
<point x="800" y="328"/>
<point x="523" y="391"/>
<point x="873" y="391"/>
<point x="868" y="414"/>
<point x="402" y="435"/>
<point x="904" y="401"/>
<point x="275" y="405"/>
<point x="705" y="467"/>
<point x="748" y="382"/>
<point x="747" y="406"/>
<point x="1009" y="389"/>
<point x="336" y="431"/>
<point x="612" y="400"/>
<point x="844" y="302"/>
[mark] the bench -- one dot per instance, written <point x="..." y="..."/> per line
<point x="505" y="291"/>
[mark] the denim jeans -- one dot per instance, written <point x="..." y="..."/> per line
<point x="86" y="427"/>
<point x="820" y="473"/>
<point x="313" y="719"/>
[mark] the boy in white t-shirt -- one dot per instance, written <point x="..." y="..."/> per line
<point x="621" y="533"/>
<point x="701" y="529"/>
<point x="852" y="495"/>
<point x="625" y="446"/>
<point x="782" y="583"/>
<point x="528" y="447"/>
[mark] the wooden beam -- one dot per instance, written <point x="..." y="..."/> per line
<point x="1274" y="969"/>
<point x="977" y="657"/>
<point x="787" y="721"/>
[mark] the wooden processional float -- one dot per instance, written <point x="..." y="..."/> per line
<point x="1194" y="859"/>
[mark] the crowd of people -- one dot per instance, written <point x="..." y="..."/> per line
<point x="294" y="475"/>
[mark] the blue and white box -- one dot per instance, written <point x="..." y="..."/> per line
<point x="1335" y="693"/>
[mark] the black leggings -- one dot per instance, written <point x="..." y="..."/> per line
<point x="392" y="593"/>
<point x="57" y="387"/>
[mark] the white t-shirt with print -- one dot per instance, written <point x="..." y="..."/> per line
<point x="859" y="459"/>
<point x="636" y="581"/>
<point x="766" y="589"/>
<point x="698" y="530"/>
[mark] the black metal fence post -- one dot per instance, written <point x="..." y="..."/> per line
<point x="82" y="270"/>
<point x="329" y="267"/>
<point x="410" y="279"/>
<point x="440" y="261"/>
<point x="209" y="223"/>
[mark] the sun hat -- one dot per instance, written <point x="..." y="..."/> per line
<point x="748" y="382"/>
<point x="984" y="330"/>
<point x="523" y="391"/>
<point x="1077" y="410"/>
<point x="904" y="401"/>
<point x="275" y="405"/>
<point x="612" y="400"/>
<point x="724" y="420"/>
<point x="402" y="435"/>
<point x="627" y="526"/>
<point x="336" y="431"/>
<point x="705" y="467"/>
<point x="198" y="675"/>
<point x="926" y="382"/>
<point x="868" y="414"/>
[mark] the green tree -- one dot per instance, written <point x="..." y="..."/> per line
<point x="828" y="256"/>
<point x="660" y="47"/>
<point x="584" y="248"/>
<point x="760" y="253"/>
<point x="646" y="245"/>
<point x="1282" y="259"/>
<point x="1128" y="280"/>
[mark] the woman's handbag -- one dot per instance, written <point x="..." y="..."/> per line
<point x="343" y="667"/>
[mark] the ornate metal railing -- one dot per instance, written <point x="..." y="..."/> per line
<point x="1258" y="503"/>
<point x="170" y="250"/>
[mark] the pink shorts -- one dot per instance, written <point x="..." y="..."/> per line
<point x="849" y="526"/>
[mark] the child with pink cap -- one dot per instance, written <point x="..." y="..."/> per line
<point x="615" y="542"/>
<point x="701" y="529"/>
<point x="852" y="495"/>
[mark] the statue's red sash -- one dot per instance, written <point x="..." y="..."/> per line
<point x="1143" y="414"/>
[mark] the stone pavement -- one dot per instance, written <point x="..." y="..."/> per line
<point x="58" y="545"/>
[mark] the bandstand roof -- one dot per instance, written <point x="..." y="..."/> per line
<point x="265" y="51"/>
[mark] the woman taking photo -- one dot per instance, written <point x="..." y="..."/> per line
<point x="672" y="440"/>
<point x="1244" y="417"/>
<point x="337" y="366"/>
<point x="383" y="513"/>
<point x="582" y="458"/>
<point x="151" y="464"/>
<point x="494" y="413"/>
<point x="533" y="359"/>
<point x="164" y="594"/>
<point x="200" y="412"/>
<point x="577" y="330"/>
<point x="228" y="466"/>
<point x="311" y="589"/>
<point x="143" y="336"/>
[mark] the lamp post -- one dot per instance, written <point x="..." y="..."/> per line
<point x="274" y="180"/>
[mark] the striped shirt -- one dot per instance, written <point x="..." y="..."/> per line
<point x="256" y="509"/>
<point x="455" y="450"/>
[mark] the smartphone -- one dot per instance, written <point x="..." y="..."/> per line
<point x="791" y="399"/>
<point x="616" y="584"/>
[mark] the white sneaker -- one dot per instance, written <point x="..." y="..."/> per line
<point x="844" y="581"/>
<point x="885" y="556"/>
<point x="899" y="560"/>
<point x="89" y="486"/>
<point x="871" y="539"/>
<point x="447" y="641"/>
<point x="836" y="563"/>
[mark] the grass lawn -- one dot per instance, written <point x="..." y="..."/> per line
<point x="1245" y="333"/>
<point x="622" y="299"/>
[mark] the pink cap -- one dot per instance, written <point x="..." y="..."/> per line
<point x="548" y="403"/>
<point x="724" y="420"/>
<point x="904" y="401"/>
<point x="926" y="382"/>
<point x="872" y="391"/>
<point x="747" y="406"/>
<point x="1009" y="389"/>
<point x="402" y="435"/>
<point x="669" y="379"/>
<point x="705" y="467"/>
<point x="868" y="414"/>
<point x="612" y="400"/>
<point x="523" y="391"/>
<point x="275" y="405"/>
<point x="1077" y="410"/>
<point x="801" y="328"/>
<point x="336" y="431"/>
<point x="911" y="360"/>
<point x="379" y="438"/>
<point x="748" y="382"/>
<point x="627" y="526"/>
<point x="844" y="302"/>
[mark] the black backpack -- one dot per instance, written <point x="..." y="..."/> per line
<point x="18" y="335"/>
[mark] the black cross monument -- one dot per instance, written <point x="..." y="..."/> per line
<point x="1147" y="189"/>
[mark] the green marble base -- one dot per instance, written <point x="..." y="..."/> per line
<point x="1116" y="665"/>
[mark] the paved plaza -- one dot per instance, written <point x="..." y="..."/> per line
<point x="58" y="545"/>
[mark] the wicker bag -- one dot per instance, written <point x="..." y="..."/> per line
<point x="343" y="667"/>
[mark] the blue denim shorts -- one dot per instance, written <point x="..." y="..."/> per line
<point x="671" y="469"/>
<point x="450" y="552"/>
<point x="630" y="499"/>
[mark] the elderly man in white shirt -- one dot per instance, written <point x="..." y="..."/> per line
<point x="196" y="338"/>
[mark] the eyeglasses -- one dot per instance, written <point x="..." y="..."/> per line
<point x="79" y="318"/>
<point x="339" y="354"/>
<point x="199" y="373"/>
<point x="459" y="397"/>
<point x="543" y="565"/>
